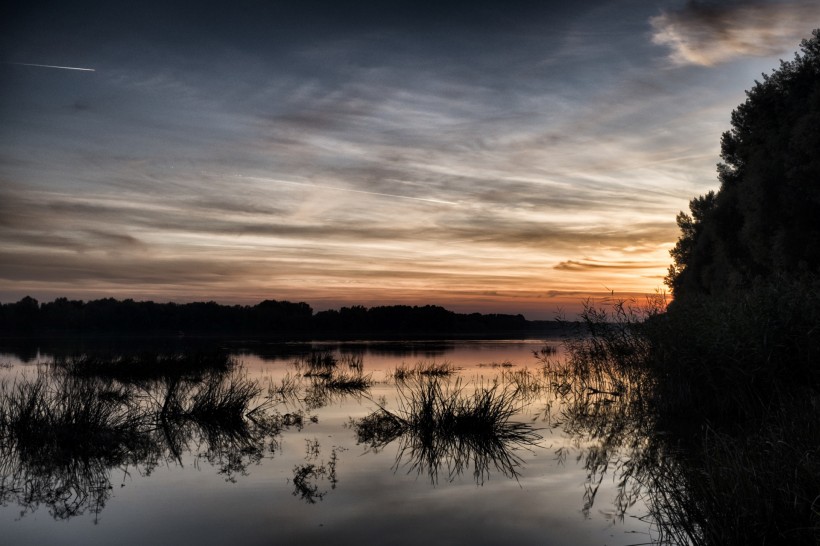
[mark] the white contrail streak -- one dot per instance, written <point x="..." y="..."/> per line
<point x="55" y="66"/>
<point x="336" y="188"/>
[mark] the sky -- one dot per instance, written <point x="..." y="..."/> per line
<point x="512" y="157"/>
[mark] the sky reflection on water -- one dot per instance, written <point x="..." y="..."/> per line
<point x="367" y="496"/>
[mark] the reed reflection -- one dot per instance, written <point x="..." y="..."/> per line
<point x="66" y="431"/>
<point x="308" y="475"/>
<point x="446" y="429"/>
<point x="604" y="397"/>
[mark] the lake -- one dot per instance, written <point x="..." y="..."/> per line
<point x="339" y="443"/>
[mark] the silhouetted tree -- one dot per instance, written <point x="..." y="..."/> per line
<point x="270" y="318"/>
<point x="22" y="316"/>
<point x="764" y="222"/>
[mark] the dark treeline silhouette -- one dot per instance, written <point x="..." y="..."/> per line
<point x="732" y="362"/>
<point x="763" y="225"/>
<point x="268" y="318"/>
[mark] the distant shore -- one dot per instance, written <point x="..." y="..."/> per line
<point x="268" y="320"/>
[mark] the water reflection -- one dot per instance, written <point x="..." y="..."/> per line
<point x="606" y="406"/>
<point x="33" y="350"/>
<point x="308" y="475"/>
<point x="445" y="429"/>
<point x="65" y="431"/>
<point x="73" y="433"/>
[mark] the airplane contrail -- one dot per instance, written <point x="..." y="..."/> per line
<point x="336" y="188"/>
<point x="55" y="66"/>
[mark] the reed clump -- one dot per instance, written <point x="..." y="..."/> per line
<point x="353" y="361"/>
<point x="423" y="368"/>
<point x="337" y="385"/>
<point x="62" y="434"/>
<point x="348" y="382"/>
<point x="44" y="418"/>
<point x="221" y="399"/>
<point x="446" y="429"/>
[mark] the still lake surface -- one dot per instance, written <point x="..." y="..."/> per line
<point x="312" y="473"/>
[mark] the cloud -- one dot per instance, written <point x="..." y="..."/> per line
<point x="587" y="265"/>
<point x="374" y="166"/>
<point x="708" y="34"/>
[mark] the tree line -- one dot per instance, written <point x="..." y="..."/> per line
<point x="269" y="317"/>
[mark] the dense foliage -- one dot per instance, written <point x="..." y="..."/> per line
<point x="764" y="222"/>
<point x="731" y="365"/>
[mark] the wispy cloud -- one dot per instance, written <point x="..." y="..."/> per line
<point x="360" y="164"/>
<point x="586" y="265"/>
<point x="337" y="188"/>
<point x="707" y="34"/>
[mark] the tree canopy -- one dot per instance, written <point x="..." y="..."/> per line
<point x="764" y="221"/>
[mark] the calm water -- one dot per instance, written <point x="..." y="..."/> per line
<point x="307" y="470"/>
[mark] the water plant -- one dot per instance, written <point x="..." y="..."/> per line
<point x="286" y="389"/>
<point x="62" y="434"/>
<point x="423" y="368"/>
<point x="445" y="429"/>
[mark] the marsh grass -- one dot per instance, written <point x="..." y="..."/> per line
<point x="49" y="419"/>
<point x="715" y="406"/>
<point x="527" y="384"/>
<point x="59" y="437"/>
<point x="62" y="434"/>
<point x="444" y="430"/>
<point x="423" y="368"/>
<point x="354" y="382"/>
<point x="326" y="382"/>
<point x="335" y="386"/>
<point x="220" y="399"/>
<point x="317" y="364"/>
<point x="286" y="390"/>
<point x="502" y="364"/>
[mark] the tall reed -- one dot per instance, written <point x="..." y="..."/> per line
<point x="721" y="438"/>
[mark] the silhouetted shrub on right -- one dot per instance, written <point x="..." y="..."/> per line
<point x="734" y="357"/>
